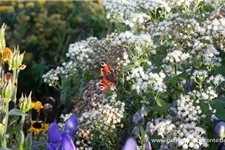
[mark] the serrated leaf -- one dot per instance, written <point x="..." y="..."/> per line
<point x="127" y="68"/>
<point x="17" y="112"/>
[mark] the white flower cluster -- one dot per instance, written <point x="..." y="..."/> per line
<point x="105" y="118"/>
<point x="208" y="94"/>
<point x="144" y="80"/>
<point x="206" y="54"/>
<point x="135" y="12"/>
<point x="164" y="127"/>
<point x="190" y="136"/>
<point x="81" y="52"/>
<point x="81" y="55"/>
<point x="183" y="127"/>
<point x="128" y="37"/>
<point x="216" y="27"/>
<point x="199" y="75"/>
<point x="187" y="110"/>
<point x="141" y="43"/>
<point x="127" y="11"/>
<point x="183" y="135"/>
<point x="52" y="76"/>
<point x="176" y="56"/>
<point x="216" y="80"/>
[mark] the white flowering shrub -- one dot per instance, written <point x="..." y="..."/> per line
<point x="168" y="57"/>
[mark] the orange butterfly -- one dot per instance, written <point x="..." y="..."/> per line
<point x="108" y="77"/>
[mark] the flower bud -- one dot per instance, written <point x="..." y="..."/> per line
<point x="2" y="37"/>
<point x="135" y="131"/>
<point x="8" y="76"/>
<point x="135" y="118"/>
<point x="219" y="132"/>
<point x="138" y="118"/>
<point x="144" y="110"/>
<point x="150" y="128"/>
<point x="16" y="59"/>
<point x="25" y="103"/>
<point x="7" y="90"/>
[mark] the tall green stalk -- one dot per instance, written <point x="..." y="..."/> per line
<point x="15" y="80"/>
<point x="5" y="123"/>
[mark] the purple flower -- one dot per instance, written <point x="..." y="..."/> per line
<point x="135" y="131"/>
<point x="148" y="146"/>
<point x="150" y="128"/>
<point x="219" y="132"/>
<point x="63" y="141"/>
<point x="130" y="144"/>
<point x="138" y="118"/>
<point x="71" y="126"/>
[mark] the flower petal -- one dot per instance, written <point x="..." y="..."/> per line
<point x="50" y="147"/>
<point x="148" y="145"/>
<point x="67" y="142"/>
<point x="130" y="144"/>
<point x="54" y="136"/>
<point x="71" y="125"/>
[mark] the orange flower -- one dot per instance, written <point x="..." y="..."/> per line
<point x="6" y="54"/>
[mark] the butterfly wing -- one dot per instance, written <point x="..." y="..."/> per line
<point x="104" y="84"/>
<point x="108" y="77"/>
<point x="105" y="68"/>
<point x="111" y="78"/>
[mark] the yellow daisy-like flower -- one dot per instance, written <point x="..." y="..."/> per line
<point x="6" y="54"/>
<point x="38" y="126"/>
<point x="36" y="105"/>
<point x="45" y="126"/>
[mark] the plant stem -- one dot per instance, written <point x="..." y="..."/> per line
<point x="22" y="134"/>
<point x="15" y="78"/>
<point x="5" y="122"/>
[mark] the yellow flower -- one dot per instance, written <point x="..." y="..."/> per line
<point x="21" y="5"/>
<point x="45" y="126"/>
<point x="6" y="54"/>
<point x="30" y="5"/>
<point x="38" y="126"/>
<point x="41" y="2"/>
<point x="36" y="105"/>
<point x="6" y="9"/>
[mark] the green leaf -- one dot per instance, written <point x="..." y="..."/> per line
<point x="160" y="102"/>
<point x="17" y="112"/>
<point x="127" y="68"/>
<point x="28" y="141"/>
<point x="176" y="79"/>
<point x="219" y="105"/>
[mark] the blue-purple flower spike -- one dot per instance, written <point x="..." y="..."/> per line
<point x="54" y="136"/>
<point x="130" y="144"/>
<point x="71" y="125"/>
<point x="67" y="142"/>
